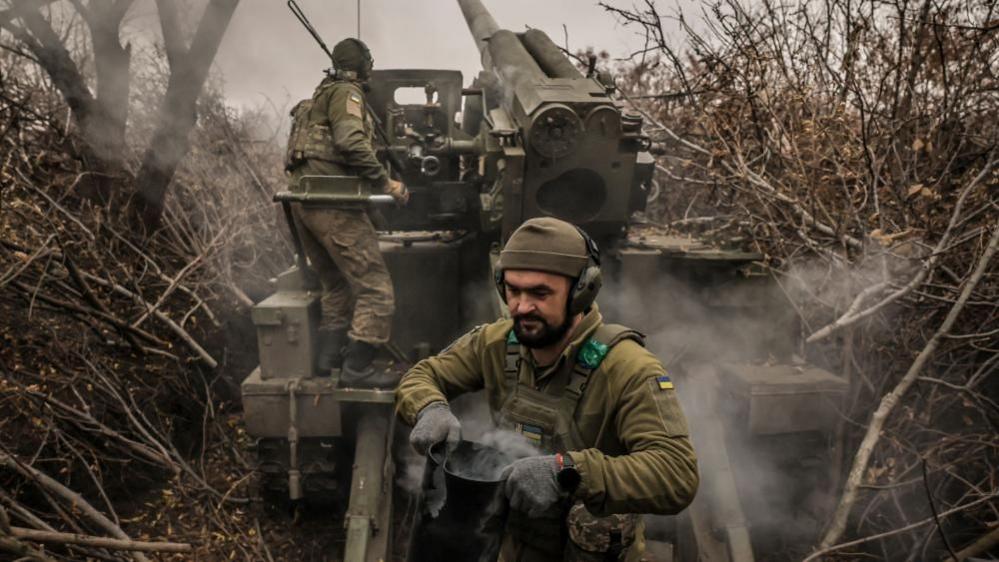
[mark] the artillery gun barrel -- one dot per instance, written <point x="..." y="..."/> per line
<point x="480" y="23"/>
<point x="549" y="56"/>
<point x="501" y="50"/>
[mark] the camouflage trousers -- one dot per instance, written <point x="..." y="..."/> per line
<point x="613" y="538"/>
<point x="593" y="538"/>
<point x="342" y="246"/>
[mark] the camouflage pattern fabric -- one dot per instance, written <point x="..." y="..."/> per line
<point x="331" y="134"/>
<point x="333" y="127"/>
<point x="308" y="139"/>
<point x="342" y="246"/>
<point x="598" y="538"/>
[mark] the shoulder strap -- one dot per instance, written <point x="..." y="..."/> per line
<point x="613" y="334"/>
<point x="328" y="84"/>
<point x="588" y="359"/>
<point x="511" y="366"/>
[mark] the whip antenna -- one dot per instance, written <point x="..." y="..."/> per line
<point x="297" y="10"/>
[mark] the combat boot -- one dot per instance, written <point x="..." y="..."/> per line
<point x="358" y="371"/>
<point x="331" y="344"/>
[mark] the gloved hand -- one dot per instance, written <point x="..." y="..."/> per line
<point x="398" y="191"/>
<point x="434" y="423"/>
<point x="531" y="485"/>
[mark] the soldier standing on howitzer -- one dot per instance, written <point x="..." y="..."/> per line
<point x="331" y="135"/>
<point x="599" y="406"/>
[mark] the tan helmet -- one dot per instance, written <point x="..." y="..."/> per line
<point x="554" y="246"/>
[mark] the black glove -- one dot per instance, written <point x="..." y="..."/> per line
<point x="434" y="423"/>
<point x="531" y="486"/>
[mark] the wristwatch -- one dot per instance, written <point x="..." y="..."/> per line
<point x="566" y="475"/>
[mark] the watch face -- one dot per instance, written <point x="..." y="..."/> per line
<point x="568" y="479"/>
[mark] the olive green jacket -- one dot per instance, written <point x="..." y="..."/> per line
<point x="639" y="459"/>
<point x="340" y="105"/>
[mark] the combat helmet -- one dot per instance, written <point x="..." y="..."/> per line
<point x="353" y="56"/>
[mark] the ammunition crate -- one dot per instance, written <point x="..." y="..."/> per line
<point x="286" y="323"/>
<point x="774" y="399"/>
<point x="267" y="406"/>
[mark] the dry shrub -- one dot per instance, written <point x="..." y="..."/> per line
<point x="854" y="145"/>
<point x="121" y="353"/>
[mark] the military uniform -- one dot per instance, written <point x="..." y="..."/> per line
<point x="332" y="135"/>
<point x="606" y="401"/>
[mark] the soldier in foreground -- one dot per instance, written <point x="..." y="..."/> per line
<point x="331" y="134"/>
<point x="599" y="406"/>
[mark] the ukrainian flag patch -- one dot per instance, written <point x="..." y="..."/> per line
<point x="531" y="432"/>
<point x="664" y="382"/>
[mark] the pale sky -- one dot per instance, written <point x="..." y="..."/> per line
<point x="266" y="53"/>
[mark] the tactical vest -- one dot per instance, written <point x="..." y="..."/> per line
<point x="313" y="138"/>
<point x="546" y="418"/>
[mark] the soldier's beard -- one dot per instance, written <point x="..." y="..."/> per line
<point x="542" y="336"/>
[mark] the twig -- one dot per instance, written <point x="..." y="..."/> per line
<point x="924" y="271"/>
<point x="73" y="498"/>
<point x="88" y="293"/>
<point x="55" y="204"/>
<point x="205" y="357"/>
<point x="261" y="542"/>
<point x="983" y="544"/>
<point x="23" y="513"/>
<point x="16" y="270"/>
<point x="890" y="400"/>
<point x="933" y="509"/>
<point x="100" y="542"/>
<point x="819" y="553"/>
<point x="72" y="307"/>
<point x="167" y="292"/>
<point x="26" y="552"/>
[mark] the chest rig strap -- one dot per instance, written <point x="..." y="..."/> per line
<point x="588" y="359"/>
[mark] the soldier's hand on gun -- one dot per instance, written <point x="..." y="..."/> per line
<point x="398" y="191"/>
<point x="532" y="486"/>
<point x="435" y="423"/>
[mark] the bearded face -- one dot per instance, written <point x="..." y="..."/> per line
<point x="537" y="302"/>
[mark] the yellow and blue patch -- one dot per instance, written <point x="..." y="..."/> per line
<point x="531" y="432"/>
<point x="664" y="382"/>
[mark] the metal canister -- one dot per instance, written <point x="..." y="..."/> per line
<point x="463" y="510"/>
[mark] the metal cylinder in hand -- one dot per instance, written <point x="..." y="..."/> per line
<point x="332" y="191"/>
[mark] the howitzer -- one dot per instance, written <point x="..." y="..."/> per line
<point x="536" y="137"/>
<point x="582" y="157"/>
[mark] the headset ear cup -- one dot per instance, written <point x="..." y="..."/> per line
<point x="498" y="280"/>
<point x="584" y="292"/>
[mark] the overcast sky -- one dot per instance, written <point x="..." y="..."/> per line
<point x="266" y="53"/>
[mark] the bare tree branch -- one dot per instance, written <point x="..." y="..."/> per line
<point x="890" y="400"/>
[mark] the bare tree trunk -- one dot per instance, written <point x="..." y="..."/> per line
<point x="101" y="118"/>
<point x="169" y="144"/>
<point x="112" y="61"/>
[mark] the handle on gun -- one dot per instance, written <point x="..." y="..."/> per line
<point x="322" y="199"/>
